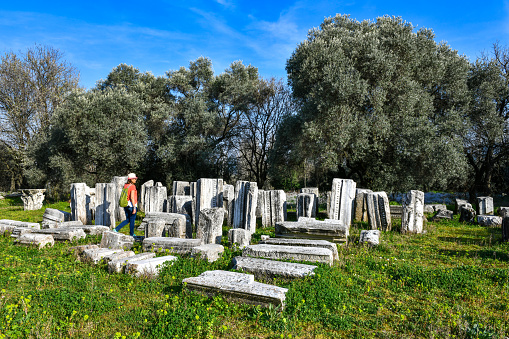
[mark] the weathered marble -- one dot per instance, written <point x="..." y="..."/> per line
<point x="182" y="204"/>
<point x="370" y="237"/>
<point x="210" y="225"/>
<point x="485" y="206"/>
<point x="141" y="203"/>
<point x="176" y="224"/>
<point x="396" y="211"/>
<point x="457" y="205"/>
<point x="467" y="214"/>
<point x="315" y="192"/>
<point x="304" y="243"/>
<point x="148" y="267"/>
<point x="443" y="214"/>
<point x="79" y="206"/>
<point x="272" y="206"/>
<point x="119" y="183"/>
<point x="209" y="252"/>
<point x="379" y="213"/>
<point x="268" y="269"/>
<point x="96" y="255"/>
<point x="306" y="205"/>
<point x="413" y="212"/>
<point x="237" y="287"/>
<point x="489" y="220"/>
<point x="118" y="265"/>
<point x="239" y="236"/>
<point x="173" y="245"/>
<point x="32" y="198"/>
<point x="114" y="240"/>
<point x="229" y="203"/>
<point x="155" y="228"/>
<point x="209" y="194"/>
<point x="297" y="253"/>
<point x="92" y="229"/>
<point x="342" y="200"/>
<point x="40" y="240"/>
<point x="63" y="234"/>
<point x="432" y="208"/>
<point x="361" y="207"/>
<point x="105" y="205"/>
<point x="331" y="230"/>
<point x="52" y="217"/>
<point x="246" y="196"/>
<point x="181" y="188"/>
<point x="155" y="198"/>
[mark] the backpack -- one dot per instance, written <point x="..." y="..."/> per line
<point x="122" y="202"/>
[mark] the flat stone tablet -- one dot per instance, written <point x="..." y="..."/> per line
<point x="264" y="268"/>
<point x="63" y="234"/>
<point x="118" y="265"/>
<point x="149" y="267"/>
<point x="304" y="243"/>
<point x="173" y="245"/>
<point x="40" y="240"/>
<point x="331" y="230"/>
<point x="297" y="253"/>
<point x="238" y="287"/>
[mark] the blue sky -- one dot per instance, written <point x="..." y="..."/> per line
<point x="158" y="36"/>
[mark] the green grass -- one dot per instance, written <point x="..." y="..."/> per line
<point x="452" y="281"/>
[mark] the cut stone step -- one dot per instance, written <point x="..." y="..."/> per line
<point x="118" y="265"/>
<point x="147" y="267"/>
<point x="19" y="231"/>
<point x="63" y="234"/>
<point x="264" y="268"/>
<point x="297" y="253"/>
<point x="237" y="287"/>
<point x="173" y="245"/>
<point x="304" y="243"/>
<point x="40" y="240"/>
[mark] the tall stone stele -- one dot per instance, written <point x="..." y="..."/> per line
<point x="272" y="206"/>
<point x="485" y="206"/>
<point x="155" y="198"/>
<point x="210" y="225"/>
<point x="306" y="205"/>
<point x="80" y="203"/>
<point x="181" y="188"/>
<point x="246" y="196"/>
<point x="316" y="192"/>
<point x="208" y="193"/>
<point x="105" y="204"/>
<point x="378" y="210"/>
<point x="141" y="203"/>
<point x="361" y="205"/>
<point x="342" y="199"/>
<point x="229" y="203"/>
<point x="413" y="212"/>
<point x="119" y="183"/>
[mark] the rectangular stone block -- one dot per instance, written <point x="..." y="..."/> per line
<point x="17" y="223"/>
<point x="181" y="188"/>
<point x="457" y="205"/>
<point x="268" y="269"/>
<point x="361" y="205"/>
<point x="176" y="225"/>
<point x="306" y="205"/>
<point x="96" y="255"/>
<point x="173" y="245"/>
<point x="155" y="198"/>
<point x="297" y="253"/>
<point x="63" y="234"/>
<point x="120" y="255"/>
<point x="148" y="267"/>
<point x="19" y="231"/>
<point x="229" y="203"/>
<point x="209" y="194"/>
<point x="114" y="240"/>
<point x="316" y="192"/>
<point x="105" y="205"/>
<point x="118" y="265"/>
<point x="209" y="252"/>
<point x="433" y="208"/>
<point x="342" y="200"/>
<point x="141" y="203"/>
<point x="304" y="243"/>
<point x="52" y="217"/>
<point x="210" y="225"/>
<point x="92" y="229"/>
<point x="39" y="240"/>
<point x="396" y="211"/>
<point x="331" y="230"/>
<point x="239" y="236"/>
<point x="413" y="212"/>
<point x="246" y="196"/>
<point x="237" y="287"/>
<point x="118" y="182"/>
<point x="182" y="204"/>
<point x="485" y="206"/>
<point x="379" y="213"/>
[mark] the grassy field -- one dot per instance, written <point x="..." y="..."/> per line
<point x="451" y="282"/>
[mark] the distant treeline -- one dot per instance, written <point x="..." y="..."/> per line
<point x="375" y="101"/>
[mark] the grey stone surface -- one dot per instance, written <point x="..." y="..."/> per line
<point x="208" y="193"/>
<point x="433" y="208"/>
<point x="119" y="182"/>
<point x="457" y="205"/>
<point x="92" y="229"/>
<point x="76" y="223"/>
<point x="370" y="237"/>
<point x="443" y="214"/>
<point x="40" y="240"/>
<point x="332" y="230"/>
<point x="210" y="225"/>
<point x="6" y="228"/>
<point x="118" y="265"/>
<point x="209" y="252"/>
<point x="63" y="234"/>
<point x="396" y="211"/>
<point x="182" y="204"/>
<point x="114" y="240"/>
<point x="413" y="212"/>
<point x="505" y="228"/>
<point x="485" y="206"/>
<point x="306" y="205"/>
<point x="52" y="217"/>
<point x="96" y="255"/>
<point x="19" y="231"/>
<point x="239" y="236"/>
<point x="237" y="287"/>
<point x="272" y="206"/>
<point x="121" y="254"/>
<point x="361" y="207"/>
<point x="148" y="267"/>
<point x="17" y="223"/>
<point x="315" y="192"/>
<point x="267" y="269"/>
<point x="304" y="243"/>
<point x="229" y="203"/>
<point x="467" y="214"/>
<point x="181" y="188"/>
<point x="379" y="213"/>
<point x="173" y="245"/>
<point x="143" y="189"/>
<point x="489" y="220"/>
<point x="342" y="200"/>
<point x="297" y="253"/>
<point x="78" y="250"/>
<point x="246" y="197"/>
<point x="155" y="198"/>
<point x="176" y="224"/>
<point x="154" y="228"/>
<point x="105" y="205"/>
<point x="264" y="237"/>
<point x="32" y="198"/>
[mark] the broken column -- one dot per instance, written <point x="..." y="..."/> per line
<point x="413" y="212"/>
<point x="210" y="225"/>
<point x="155" y="198"/>
<point x="485" y="206"/>
<point x="119" y="183"/>
<point x="361" y="209"/>
<point x="79" y="206"/>
<point x="105" y="204"/>
<point x="229" y="203"/>
<point x="246" y="196"/>
<point x="379" y="213"/>
<point x="209" y="194"/>
<point x="341" y="202"/>
<point x="141" y="203"/>
<point x="306" y="205"/>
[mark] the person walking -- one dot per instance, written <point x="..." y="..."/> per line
<point x="132" y="204"/>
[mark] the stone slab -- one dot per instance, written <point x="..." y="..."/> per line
<point x="118" y="265"/>
<point x="40" y="240"/>
<point x="17" y="223"/>
<point x="267" y="269"/>
<point x="489" y="220"/>
<point x="114" y="240"/>
<point x="209" y="252"/>
<point x="19" y="231"/>
<point x="331" y="230"/>
<point x="63" y="234"/>
<point x="297" y="253"/>
<point x="239" y="236"/>
<point x="237" y="287"/>
<point x="304" y="243"/>
<point x="432" y="208"/>
<point x="92" y="229"/>
<point x="95" y="255"/>
<point x="173" y="245"/>
<point x="147" y="267"/>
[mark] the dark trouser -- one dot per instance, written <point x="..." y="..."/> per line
<point x="129" y="219"/>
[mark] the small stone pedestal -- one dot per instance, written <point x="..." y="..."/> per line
<point x="32" y="198"/>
